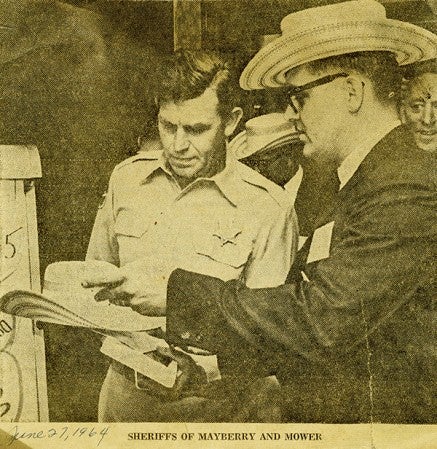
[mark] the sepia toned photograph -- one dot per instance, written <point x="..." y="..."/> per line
<point x="218" y="224"/>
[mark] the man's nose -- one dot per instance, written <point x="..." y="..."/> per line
<point x="181" y="141"/>
<point x="290" y="114"/>
<point x="428" y="114"/>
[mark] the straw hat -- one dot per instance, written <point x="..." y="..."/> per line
<point x="331" y="30"/>
<point x="261" y="133"/>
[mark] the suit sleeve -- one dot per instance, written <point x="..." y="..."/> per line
<point x="382" y="255"/>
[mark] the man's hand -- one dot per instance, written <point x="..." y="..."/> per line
<point x="98" y="273"/>
<point x="134" y="285"/>
<point x="190" y="377"/>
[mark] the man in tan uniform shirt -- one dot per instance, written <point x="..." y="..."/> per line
<point x="192" y="206"/>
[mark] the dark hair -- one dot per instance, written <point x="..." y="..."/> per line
<point x="380" y="67"/>
<point x="187" y="74"/>
<point x="413" y="72"/>
<point x="419" y="68"/>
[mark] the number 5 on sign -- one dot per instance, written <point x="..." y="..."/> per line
<point x="22" y="380"/>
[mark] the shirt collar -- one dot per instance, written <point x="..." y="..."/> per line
<point x="350" y="165"/>
<point x="294" y="183"/>
<point x="226" y="180"/>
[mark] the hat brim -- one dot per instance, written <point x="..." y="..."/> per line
<point x="238" y="143"/>
<point x="268" y="67"/>
<point x="241" y="149"/>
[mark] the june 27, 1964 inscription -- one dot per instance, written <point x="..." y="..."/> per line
<point x="62" y="433"/>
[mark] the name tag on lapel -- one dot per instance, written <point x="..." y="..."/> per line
<point x="321" y="243"/>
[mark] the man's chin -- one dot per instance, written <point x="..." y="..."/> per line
<point x="426" y="144"/>
<point x="187" y="174"/>
<point x="319" y="155"/>
<point x="310" y="151"/>
<point x="184" y="172"/>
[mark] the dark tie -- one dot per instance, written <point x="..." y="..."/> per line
<point x="325" y="217"/>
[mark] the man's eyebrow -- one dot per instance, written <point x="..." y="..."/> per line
<point x="197" y="126"/>
<point x="166" y="123"/>
<point x="422" y="98"/>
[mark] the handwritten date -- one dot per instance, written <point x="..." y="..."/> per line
<point x="61" y="433"/>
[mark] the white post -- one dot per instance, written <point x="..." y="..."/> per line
<point x="23" y="390"/>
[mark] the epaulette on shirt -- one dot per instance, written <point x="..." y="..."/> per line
<point x="151" y="155"/>
<point x="127" y="173"/>
<point x="253" y="177"/>
<point x="134" y="170"/>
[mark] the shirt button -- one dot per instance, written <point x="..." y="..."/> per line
<point x="185" y="335"/>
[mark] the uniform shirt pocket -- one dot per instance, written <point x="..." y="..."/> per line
<point x="130" y="232"/>
<point x="129" y="225"/>
<point x="231" y="249"/>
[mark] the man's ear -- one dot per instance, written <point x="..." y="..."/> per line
<point x="402" y="113"/>
<point x="355" y="93"/>
<point x="232" y="121"/>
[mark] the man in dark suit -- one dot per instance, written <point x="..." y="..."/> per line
<point x="350" y="335"/>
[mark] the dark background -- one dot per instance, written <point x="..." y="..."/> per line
<point x="76" y="79"/>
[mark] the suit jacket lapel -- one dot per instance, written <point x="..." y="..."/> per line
<point x="342" y="197"/>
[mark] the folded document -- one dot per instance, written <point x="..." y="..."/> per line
<point x="141" y="362"/>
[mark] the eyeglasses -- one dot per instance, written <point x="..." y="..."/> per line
<point x="295" y="96"/>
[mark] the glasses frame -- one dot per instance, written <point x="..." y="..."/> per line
<point x="291" y="93"/>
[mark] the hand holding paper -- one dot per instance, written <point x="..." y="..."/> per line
<point x="97" y="273"/>
<point x="140" y="285"/>
<point x="65" y="301"/>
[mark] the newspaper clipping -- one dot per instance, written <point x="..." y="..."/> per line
<point x="218" y="224"/>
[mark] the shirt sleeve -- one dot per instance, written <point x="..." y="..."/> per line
<point x="274" y="249"/>
<point x="103" y="243"/>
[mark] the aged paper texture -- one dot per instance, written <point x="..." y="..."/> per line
<point x="77" y="81"/>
